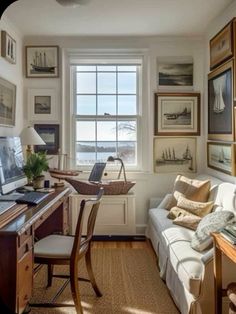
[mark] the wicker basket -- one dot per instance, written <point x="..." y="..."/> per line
<point x="92" y="188"/>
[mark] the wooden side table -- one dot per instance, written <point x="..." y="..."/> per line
<point x="221" y="245"/>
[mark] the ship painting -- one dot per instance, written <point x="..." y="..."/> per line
<point x="219" y="104"/>
<point x="169" y="157"/>
<point x="40" y="63"/>
<point x="5" y="111"/>
<point x="173" y="116"/>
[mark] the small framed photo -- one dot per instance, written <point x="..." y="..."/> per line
<point x="177" y="114"/>
<point x="7" y="103"/>
<point x="175" y="73"/>
<point x="220" y="103"/>
<point x="42" y="105"/>
<point x="50" y="134"/>
<point x="42" y="61"/>
<point x="174" y="154"/>
<point x="221" y="157"/>
<point x="221" y="46"/>
<point x="8" y="47"/>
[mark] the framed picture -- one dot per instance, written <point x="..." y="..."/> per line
<point x="220" y="103"/>
<point x="174" y="154"/>
<point x="175" y="73"/>
<point x="177" y="114"/>
<point x="42" y="61"/>
<point x="8" y="47"/>
<point x="42" y="105"/>
<point x="7" y="103"/>
<point x="50" y="134"/>
<point x="221" y="157"/>
<point x="221" y="46"/>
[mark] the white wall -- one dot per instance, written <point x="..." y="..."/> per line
<point x="14" y="74"/>
<point x="215" y="26"/>
<point x="148" y="183"/>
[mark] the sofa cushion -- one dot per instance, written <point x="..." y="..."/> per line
<point x="211" y="223"/>
<point x="188" y="221"/>
<point x="194" y="190"/>
<point x="185" y="261"/>
<point x="197" y="208"/>
<point x="177" y="211"/>
<point x="226" y="196"/>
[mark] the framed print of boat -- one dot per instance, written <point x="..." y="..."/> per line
<point x="50" y="135"/>
<point x="220" y="103"/>
<point x="42" y="61"/>
<point x="175" y="73"/>
<point x="8" y="47"/>
<point x="221" y="46"/>
<point x="174" y="154"/>
<point x="177" y="114"/>
<point x="221" y="157"/>
<point x="7" y="103"/>
<point x="42" y="105"/>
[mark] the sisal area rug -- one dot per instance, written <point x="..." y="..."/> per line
<point x="128" y="279"/>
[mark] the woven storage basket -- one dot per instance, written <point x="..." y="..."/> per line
<point x="92" y="188"/>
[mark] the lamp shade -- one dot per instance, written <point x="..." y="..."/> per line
<point x="29" y="136"/>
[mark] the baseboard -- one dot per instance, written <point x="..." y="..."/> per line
<point x="119" y="238"/>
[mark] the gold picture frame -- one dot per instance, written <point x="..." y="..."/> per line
<point x="221" y="157"/>
<point x="221" y="46"/>
<point x="220" y="103"/>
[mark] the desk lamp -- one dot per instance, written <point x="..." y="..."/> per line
<point x="112" y="159"/>
<point x="30" y="137"/>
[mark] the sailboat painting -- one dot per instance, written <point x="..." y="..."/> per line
<point x="174" y="154"/>
<point x="7" y="103"/>
<point x="220" y="103"/>
<point x="220" y="156"/>
<point x="42" y="61"/>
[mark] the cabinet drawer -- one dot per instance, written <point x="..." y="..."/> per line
<point x="25" y="280"/>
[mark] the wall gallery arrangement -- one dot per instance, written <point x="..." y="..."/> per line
<point x="221" y="96"/>
<point x="177" y="117"/>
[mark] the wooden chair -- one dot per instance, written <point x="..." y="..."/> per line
<point x="68" y="250"/>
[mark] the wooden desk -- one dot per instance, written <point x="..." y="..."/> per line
<point x="221" y="245"/>
<point x="16" y="247"/>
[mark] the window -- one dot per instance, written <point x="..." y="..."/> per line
<point x="106" y="112"/>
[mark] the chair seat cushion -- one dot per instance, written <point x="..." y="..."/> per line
<point x="54" y="246"/>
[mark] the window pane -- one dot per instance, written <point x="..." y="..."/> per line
<point x="106" y="68"/>
<point x="126" y="83"/>
<point x="106" y="131"/>
<point x="127" y="152"/>
<point x="127" y="68"/>
<point x="127" y="105"/>
<point x="86" y="68"/>
<point x="104" y="150"/>
<point x="86" y="83"/>
<point x="106" y="104"/>
<point x="127" y="130"/>
<point x="85" y="131"/>
<point x="85" y="153"/>
<point x="106" y="83"/>
<point x="86" y="105"/>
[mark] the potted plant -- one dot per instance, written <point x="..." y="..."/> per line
<point x="35" y="165"/>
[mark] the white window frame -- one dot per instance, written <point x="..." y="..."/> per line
<point x="108" y="60"/>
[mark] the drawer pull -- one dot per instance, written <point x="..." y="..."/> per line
<point x="26" y="248"/>
<point x="27" y="267"/>
<point x="26" y="298"/>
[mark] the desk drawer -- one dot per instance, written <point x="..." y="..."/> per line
<point x="24" y="236"/>
<point x="25" y="248"/>
<point x="25" y="280"/>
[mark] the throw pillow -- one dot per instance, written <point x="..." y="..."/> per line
<point x="176" y="212"/>
<point x="197" y="208"/>
<point x="194" y="190"/>
<point x="210" y="223"/>
<point x="188" y="221"/>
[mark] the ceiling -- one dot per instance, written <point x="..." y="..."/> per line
<point x="115" y="17"/>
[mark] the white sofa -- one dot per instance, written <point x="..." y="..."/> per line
<point x="189" y="274"/>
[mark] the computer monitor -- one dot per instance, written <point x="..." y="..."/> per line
<point x="11" y="164"/>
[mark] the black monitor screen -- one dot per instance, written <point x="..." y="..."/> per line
<point x="11" y="160"/>
<point x="97" y="171"/>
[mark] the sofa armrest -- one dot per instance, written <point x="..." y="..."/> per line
<point x="208" y="256"/>
<point x="165" y="201"/>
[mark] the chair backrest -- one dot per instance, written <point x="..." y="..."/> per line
<point x="94" y="203"/>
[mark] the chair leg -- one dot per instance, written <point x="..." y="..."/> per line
<point x="90" y="272"/>
<point x="50" y="275"/>
<point x="75" y="288"/>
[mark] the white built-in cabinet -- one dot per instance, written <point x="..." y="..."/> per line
<point x="116" y="214"/>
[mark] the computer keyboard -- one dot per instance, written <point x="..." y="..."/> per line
<point x="4" y="206"/>
<point x="32" y="198"/>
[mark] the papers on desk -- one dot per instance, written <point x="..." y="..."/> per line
<point x="229" y="233"/>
